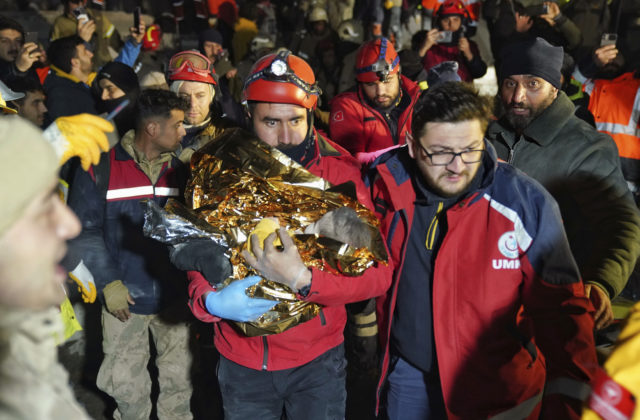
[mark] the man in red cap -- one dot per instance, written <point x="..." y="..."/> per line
<point x="377" y="114"/>
<point x="449" y="41"/>
<point x="301" y="371"/>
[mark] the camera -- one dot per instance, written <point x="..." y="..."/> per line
<point x="80" y="13"/>
<point x="608" y="39"/>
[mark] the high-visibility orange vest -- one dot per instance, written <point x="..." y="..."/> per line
<point x="615" y="105"/>
<point x="473" y="6"/>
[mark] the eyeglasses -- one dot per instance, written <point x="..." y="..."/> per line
<point x="446" y="158"/>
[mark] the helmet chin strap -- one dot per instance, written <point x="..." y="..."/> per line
<point x="309" y="123"/>
<point x="300" y="153"/>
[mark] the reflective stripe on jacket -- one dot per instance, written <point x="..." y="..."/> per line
<point x="615" y="105"/>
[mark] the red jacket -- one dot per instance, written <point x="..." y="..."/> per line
<point x="358" y="127"/>
<point x="467" y="70"/>
<point x="303" y="343"/>
<point x="509" y="310"/>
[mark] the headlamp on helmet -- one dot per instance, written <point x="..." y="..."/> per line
<point x="282" y="78"/>
<point x="376" y="61"/>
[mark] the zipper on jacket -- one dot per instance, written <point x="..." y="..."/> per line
<point x="394" y="294"/>
<point x="511" y="152"/>
<point x="323" y="320"/>
<point x="265" y="352"/>
<point x="433" y="227"/>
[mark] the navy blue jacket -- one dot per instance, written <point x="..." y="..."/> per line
<point x="112" y="244"/>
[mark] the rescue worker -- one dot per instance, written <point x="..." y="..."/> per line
<point x="487" y="317"/>
<point x="615" y="104"/>
<point x="141" y="293"/>
<point x="377" y="114"/>
<point x="301" y="371"/>
<point x="452" y="20"/>
<point x="190" y="76"/>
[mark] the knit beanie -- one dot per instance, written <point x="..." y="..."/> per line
<point x="28" y="166"/>
<point x="120" y="75"/>
<point x="210" y="35"/>
<point x="535" y="57"/>
<point x="447" y="71"/>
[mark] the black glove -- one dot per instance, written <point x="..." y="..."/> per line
<point x="202" y="255"/>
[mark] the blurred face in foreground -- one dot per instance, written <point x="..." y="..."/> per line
<point x="31" y="276"/>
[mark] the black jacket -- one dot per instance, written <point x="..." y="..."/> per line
<point x="580" y="167"/>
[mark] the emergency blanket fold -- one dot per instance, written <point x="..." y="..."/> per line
<point x="236" y="181"/>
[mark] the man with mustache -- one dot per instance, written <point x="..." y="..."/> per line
<point x="540" y="135"/>
<point x="300" y="372"/>
<point x="377" y="114"/>
<point x="16" y="56"/>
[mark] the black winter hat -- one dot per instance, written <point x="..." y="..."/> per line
<point x="120" y="75"/>
<point x="533" y="56"/>
<point x="211" y="35"/>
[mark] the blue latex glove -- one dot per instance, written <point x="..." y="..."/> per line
<point x="233" y="304"/>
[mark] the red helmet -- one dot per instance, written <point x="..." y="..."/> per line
<point x="191" y="66"/>
<point x="451" y="7"/>
<point x="376" y="60"/>
<point x="282" y="78"/>
<point x="152" y="38"/>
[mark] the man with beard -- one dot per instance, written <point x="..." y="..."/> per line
<point x="485" y="290"/>
<point x="299" y="372"/>
<point x="16" y="56"/>
<point x="377" y="114"/>
<point x="141" y="292"/>
<point x="67" y="86"/>
<point x="540" y="135"/>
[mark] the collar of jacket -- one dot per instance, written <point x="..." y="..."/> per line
<point x="396" y="169"/>
<point x="65" y="75"/>
<point x="322" y="148"/>
<point x="545" y="128"/>
<point x="128" y="151"/>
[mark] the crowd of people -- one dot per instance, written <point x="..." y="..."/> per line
<point x="510" y="223"/>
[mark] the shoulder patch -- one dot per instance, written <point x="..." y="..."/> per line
<point x="338" y="116"/>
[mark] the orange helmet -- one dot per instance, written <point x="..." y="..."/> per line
<point x="377" y="60"/>
<point x="191" y="66"/>
<point x="282" y="78"/>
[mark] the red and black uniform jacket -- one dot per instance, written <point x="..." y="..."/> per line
<point x="513" y="328"/>
<point x="302" y="343"/>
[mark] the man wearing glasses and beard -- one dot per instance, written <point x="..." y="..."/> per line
<point x="486" y="315"/>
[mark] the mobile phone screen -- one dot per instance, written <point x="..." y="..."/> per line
<point x="30" y="37"/>
<point x="608" y="39"/>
